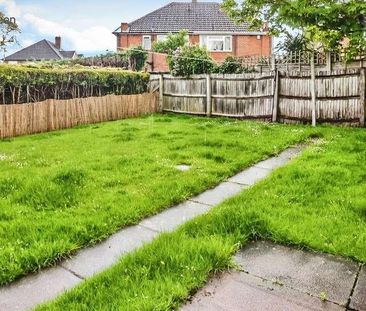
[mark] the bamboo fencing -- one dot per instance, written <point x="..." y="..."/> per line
<point x="51" y="114"/>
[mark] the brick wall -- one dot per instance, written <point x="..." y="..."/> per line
<point x="252" y="46"/>
<point x="125" y="41"/>
<point x="157" y="63"/>
<point x="242" y="46"/>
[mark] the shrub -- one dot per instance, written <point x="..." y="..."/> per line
<point x="21" y="84"/>
<point x="132" y="59"/>
<point x="191" y="59"/>
<point x="233" y="65"/>
<point x="172" y="43"/>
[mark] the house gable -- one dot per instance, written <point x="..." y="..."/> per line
<point x="42" y="50"/>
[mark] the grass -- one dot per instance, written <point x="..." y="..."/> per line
<point x="317" y="201"/>
<point x="65" y="190"/>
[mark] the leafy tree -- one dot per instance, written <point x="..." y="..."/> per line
<point x="325" y="23"/>
<point x="191" y="59"/>
<point x="172" y="43"/>
<point x="8" y="31"/>
<point x="292" y="43"/>
<point x="183" y="58"/>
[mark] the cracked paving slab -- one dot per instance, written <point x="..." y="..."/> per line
<point x="358" y="299"/>
<point x="275" y="277"/>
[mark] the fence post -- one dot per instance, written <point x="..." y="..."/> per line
<point x="329" y="61"/>
<point x="161" y="93"/>
<point x="363" y="96"/>
<point x="273" y="62"/>
<point x="209" y="96"/>
<point x="276" y="90"/>
<point x="313" y="88"/>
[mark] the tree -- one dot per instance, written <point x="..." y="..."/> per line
<point x="324" y="23"/>
<point x="292" y="43"/>
<point x="183" y="58"/>
<point x="191" y="59"/>
<point x="8" y="31"/>
<point x="172" y="43"/>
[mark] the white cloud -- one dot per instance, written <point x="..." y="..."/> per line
<point x="91" y="39"/>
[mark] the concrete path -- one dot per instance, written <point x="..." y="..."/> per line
<point x="50" y="283"/>
<point x="274" y="277"/>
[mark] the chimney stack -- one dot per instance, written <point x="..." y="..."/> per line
<point x="124" y="26"/>
<point x="58" y="43"/>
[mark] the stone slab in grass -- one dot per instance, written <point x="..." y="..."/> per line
<point x="358" y="301"/>
<point x="250" y="176"/>
<point x="272" y="163"/>
<point x="95" y="259"/>
<point x="219" y="194"/>
<point x="172" y="218"/>
<point x="242" y="291"/>
<point x="35" y="289"/>
<point x="292" y="152"/>
<point x="318" y="275"/>
<point x="278" y="278"/>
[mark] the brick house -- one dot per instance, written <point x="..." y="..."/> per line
<point x="206" y="24"/>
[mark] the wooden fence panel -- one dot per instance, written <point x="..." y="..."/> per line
<point x="340" y="96"/>
<point x="337" y="93"/>
<point x="244" y="96"/>
<point x="185" y="95"/>
<point x="50" y="115"/>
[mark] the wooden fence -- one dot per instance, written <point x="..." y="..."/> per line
<point x="275" y="96"/>
<point x="53" y="115"/>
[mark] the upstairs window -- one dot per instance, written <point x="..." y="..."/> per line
<point x="146" y="43"/>
<point x="217" y="43"/>
<point x="161" y="37"/>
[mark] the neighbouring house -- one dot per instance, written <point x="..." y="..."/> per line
<point x="206" y="24"/>
<point x="41" y="51"/>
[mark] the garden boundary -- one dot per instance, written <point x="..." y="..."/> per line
<point x="290" y="97"/>
<point x="52" y="114"/>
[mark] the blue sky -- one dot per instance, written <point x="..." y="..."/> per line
<point x="85" y="26"/>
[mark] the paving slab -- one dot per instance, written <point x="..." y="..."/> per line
<point x="172" y="218"/>
<point x="250" y="176"/>
<point x="292" y="153"/>
<point x="219" y="194"/>
<point x="241" y="291"/>
<point x="316" y="274"/>
<point x="358" y="300"/>
<point x="35" y="289"/>
<point x="273" y="163"/>
<point x="95" y="259"/>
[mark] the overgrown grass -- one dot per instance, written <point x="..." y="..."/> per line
<point x="64" y="190"/>
<point x="318" y="201"/>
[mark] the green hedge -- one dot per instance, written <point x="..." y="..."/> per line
<point x="21" y="84"/>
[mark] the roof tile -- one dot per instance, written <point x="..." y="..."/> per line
<point x="194" y="17"/>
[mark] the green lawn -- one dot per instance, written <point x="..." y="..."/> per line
<point x="318" y="201"/>
<point x="65" y="190"/>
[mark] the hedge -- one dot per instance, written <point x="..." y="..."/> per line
<point x="21" y="84"/>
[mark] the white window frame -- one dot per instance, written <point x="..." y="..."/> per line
<point x="215" y="38"/>
<point x="160" y="38"/>
<point x="143" y="42"/>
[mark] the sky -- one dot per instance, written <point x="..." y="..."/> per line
<point x="85" y="26"/>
